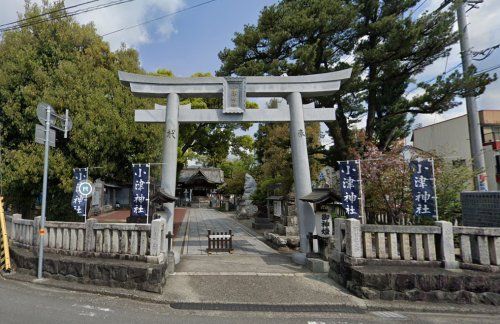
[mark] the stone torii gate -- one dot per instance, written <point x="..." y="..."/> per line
<point x="234" y="91"/>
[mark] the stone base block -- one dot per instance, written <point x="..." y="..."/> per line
<point x="317" y="265"/>
<point x="293" y="242"/>
<point x="138" y="275"/>
<point x="286" y="230"/>
<point x="262" y="223"/>
<point x="417" y="283"/>
<point x="275" y="239"/>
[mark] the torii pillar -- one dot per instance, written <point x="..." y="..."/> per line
<point x="234" y="91"/>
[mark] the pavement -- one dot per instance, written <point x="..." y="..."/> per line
<point x="192" y="239"/>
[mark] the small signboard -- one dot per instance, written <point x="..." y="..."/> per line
<point x="423" y="188"/>
<point x="324" y="226"/>
<point x="41" y="112"/>
<point x="84" y="188"/>
<point x="40" y="135"/>
<point x="234" y="95"/>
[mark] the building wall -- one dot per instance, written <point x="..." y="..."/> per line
<point x="490" y="160"/>
<point x="448" y="139"/>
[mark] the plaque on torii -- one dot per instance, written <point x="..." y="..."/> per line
<point x="234" y="91"/>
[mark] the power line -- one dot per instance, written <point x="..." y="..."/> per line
<point x="69" y="14"/>
<point x="485" y="70"/>
<point x="434" y="78"/>
<point x="420" y="6"/>
<point x="485" y="52"/>
<point x="47" y="13"/>
<point x="158" y="18"/>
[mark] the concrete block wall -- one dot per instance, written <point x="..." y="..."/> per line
<point x="480" y="209"/>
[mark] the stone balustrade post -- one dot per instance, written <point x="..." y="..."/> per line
<point x="13" y="227"/>
<point x="36" y="232"/>
<point x="163" y="241"/>
<point x="447" y="246"/>
<point x="155" y="241"/>
<point x="90" y="235"/>
<point x="337" y="227"/>
<point x="354" y="245"/>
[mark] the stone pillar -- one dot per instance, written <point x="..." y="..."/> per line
<point x="337" y="227"/>
<point x="447" y="246"/>
<point x="156" y="237"/>
<point x="89" y="235"/>
<point x="353" y="245"/>
<point x="169" y="166"/>
<point x="13" y="227"/>
<point x="301" y="171"/>
<point x="36" y="233"/>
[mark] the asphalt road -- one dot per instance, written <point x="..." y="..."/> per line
<point x="32" y="303"/>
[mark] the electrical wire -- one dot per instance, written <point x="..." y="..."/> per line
<point x="158" y="18"/>
<point x="69" y="14"/>
<point x="47" y="13"/>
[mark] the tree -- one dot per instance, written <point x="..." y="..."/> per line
<point x="386" y="179"/>
<point x="382" y="40"/>
<point x="273" y="152"/>
<point x="69" y="66"/>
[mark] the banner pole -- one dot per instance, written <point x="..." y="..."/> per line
<point x="149" y="189"/>
<point x="434" y="185"/>
<point x="361" y="195"/>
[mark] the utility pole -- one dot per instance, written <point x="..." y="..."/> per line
<point x="476" y="143"/>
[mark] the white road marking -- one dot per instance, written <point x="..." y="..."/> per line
<point x="93" y="308"/>
<point x="389" y="315"/>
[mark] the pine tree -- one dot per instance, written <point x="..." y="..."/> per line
<point x="384" y="42"/>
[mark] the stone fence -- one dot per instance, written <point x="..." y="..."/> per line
<point x="136" y="242"/>
<point x="356" y="243"/>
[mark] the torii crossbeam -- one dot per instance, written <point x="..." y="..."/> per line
<point x="234" y="91"/>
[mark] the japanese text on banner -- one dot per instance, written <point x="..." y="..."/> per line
<point x="140" y="190"/>
<point x="79" y="202"/>
<point x="423" y="188"/>
<point x="350" y="187"/>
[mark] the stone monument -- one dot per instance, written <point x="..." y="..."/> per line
<point x="246" y="208"/>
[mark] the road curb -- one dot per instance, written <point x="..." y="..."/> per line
<point x="369" y="306"/>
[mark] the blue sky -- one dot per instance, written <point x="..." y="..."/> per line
<point x="200" y="34"/>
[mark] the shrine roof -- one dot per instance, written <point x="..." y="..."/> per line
<point x="162" y="197"/>
<point x="321" y="196"/>
<point x="211" y="175"/>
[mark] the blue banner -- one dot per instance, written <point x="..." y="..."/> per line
<point x="350" y="187"/>
<point x="79" y="202"/>
<point x="423" y="188"/>
<point x="140" y="190"/>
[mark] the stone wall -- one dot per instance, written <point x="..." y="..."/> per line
<point x="417" y="283"/>
<point x="413" y="262"/>
<point x="104" y="272"/>
<point x="481" y="209"/>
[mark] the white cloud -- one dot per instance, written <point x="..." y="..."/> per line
<point x="484" y="28"/>
<point x="112" y="18"/>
